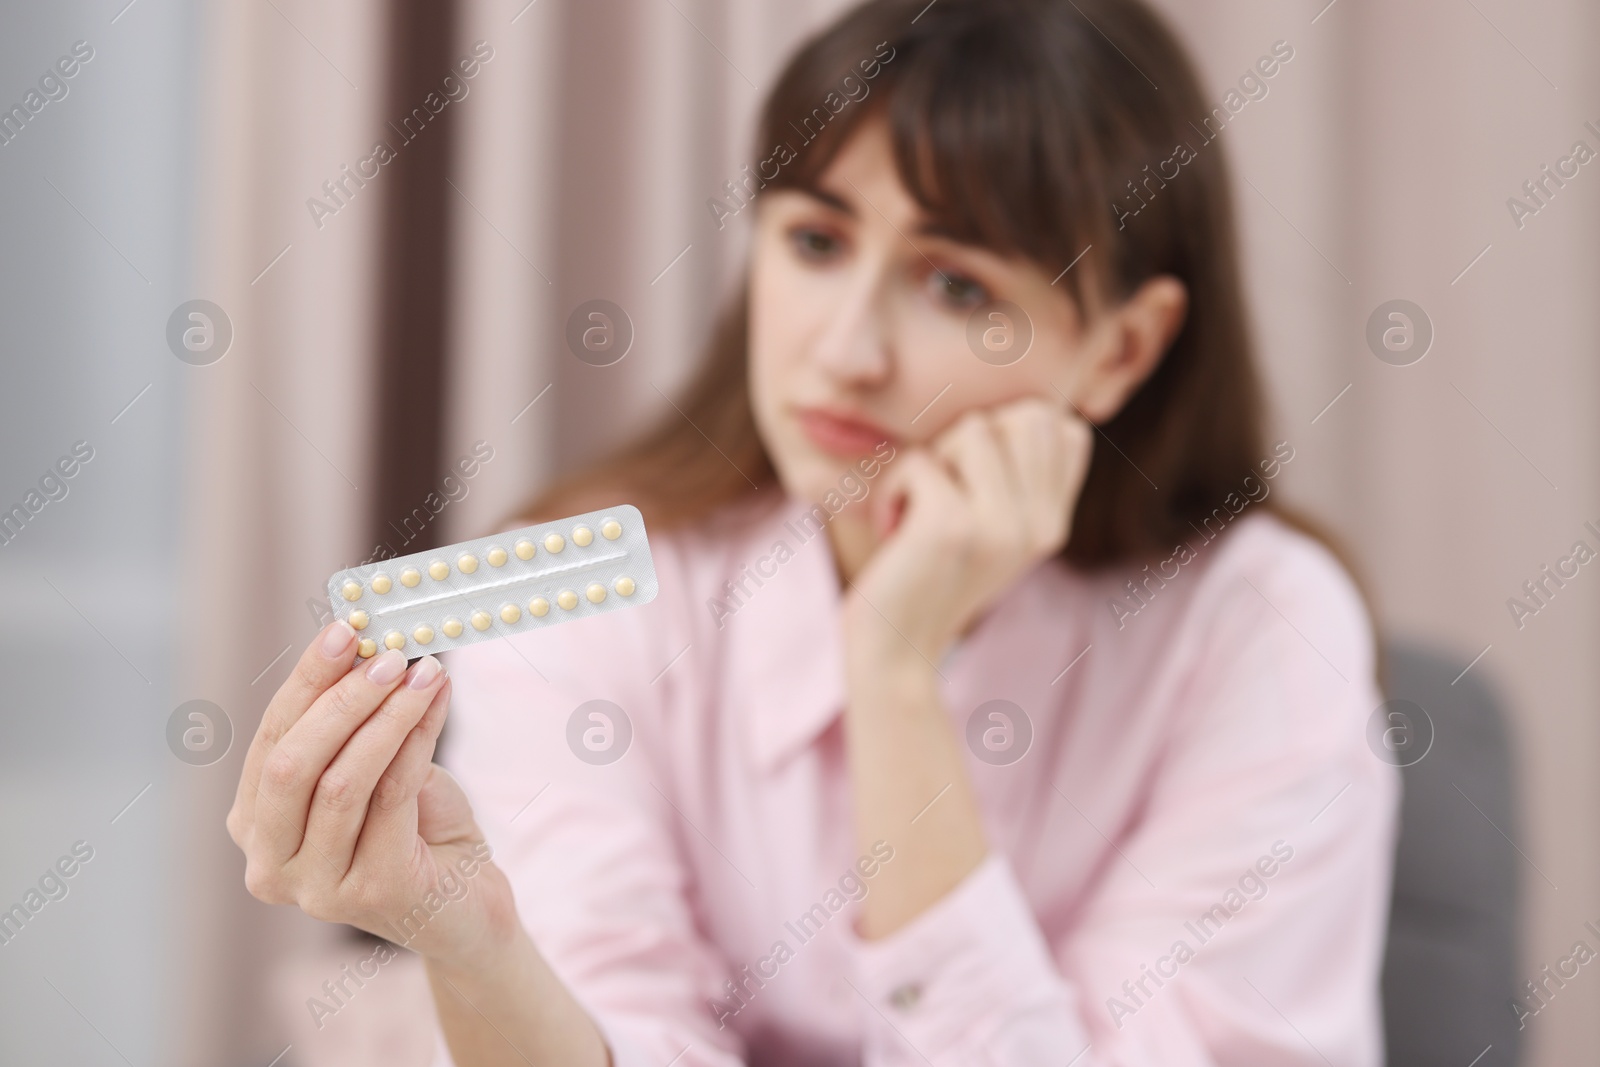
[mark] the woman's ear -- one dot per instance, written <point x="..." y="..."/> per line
<point x="1127" y="345"/>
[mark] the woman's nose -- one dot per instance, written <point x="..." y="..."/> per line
<point x="854" y="345"/>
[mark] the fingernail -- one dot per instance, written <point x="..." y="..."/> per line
<point x="386" y="668"/>
<point x="337" y="639"/>
<point x="424" y="672"/>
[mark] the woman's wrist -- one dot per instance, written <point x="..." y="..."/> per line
<point x="506" y="1005"/>
<point x="873" y="641"/>
<point x="490" y="963"/>
<point x="496" y="941"/>
<point x="890" y="673"/>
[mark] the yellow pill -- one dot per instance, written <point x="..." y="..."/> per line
<point x="358" y="620"/>
<point x="624" y="586"/>
<point x="481" y="620"/>
<point x="524" y="549"/>
<point x="382" y="583"/>
<point x="567" y="599"/>
<point x="554" y="542"/>
<point x="510" y="613"/>
<point x="452" y="627"/>
<point x="394" y="639"/>
<point x="351" y="590"/>
<point x="422" y="635"/>
<point x="467" y="563"/>
<point x="611" y="529"/>
<point x="367" y="648"/>
<point x="582" y="537"/>
<point x="497" y="556"/>
<point x="438" y="570"/>
<point x="596" y="592"/>
<point x="539" y="606"/>
<point x="410" y="577"/>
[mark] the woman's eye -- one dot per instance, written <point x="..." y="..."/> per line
<point x="957" y="290"/>
<point x="813" y="244"/>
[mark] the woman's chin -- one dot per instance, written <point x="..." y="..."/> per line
<point x="818" y="483"/>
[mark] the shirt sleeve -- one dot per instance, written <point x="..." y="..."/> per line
<point x="556" y="739"/>
<point x="970" y="981"/>
<point x="1240" y="918"/>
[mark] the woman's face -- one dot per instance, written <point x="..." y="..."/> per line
<point x="860" y="322"/>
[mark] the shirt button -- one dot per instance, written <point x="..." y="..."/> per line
<point x="905" y="996"/>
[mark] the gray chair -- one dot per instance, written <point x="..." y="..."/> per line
<point x="1450" y="968"/>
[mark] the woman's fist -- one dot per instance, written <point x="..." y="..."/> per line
<point x="964" y="516"/>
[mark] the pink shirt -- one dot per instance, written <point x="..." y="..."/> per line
<point x="1189" y="863"/>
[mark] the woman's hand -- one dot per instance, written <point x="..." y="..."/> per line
<point x="966" y="515"/>
<point x="342" y="812"/>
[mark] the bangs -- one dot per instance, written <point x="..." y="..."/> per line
<point x="989" y="131"/>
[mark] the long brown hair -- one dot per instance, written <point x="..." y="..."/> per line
<point x="1034" y="128"/>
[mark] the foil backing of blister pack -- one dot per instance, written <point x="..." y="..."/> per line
<point x="507" y="583"/>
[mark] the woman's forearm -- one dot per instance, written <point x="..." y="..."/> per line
<point x="910" y="782"/>
<point x="513" y="1011"/>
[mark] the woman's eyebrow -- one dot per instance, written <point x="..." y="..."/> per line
<point x="925" y="226"/>
<point x="833" y="200"/>
<point x="934" y="228"/>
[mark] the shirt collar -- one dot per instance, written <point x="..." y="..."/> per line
<point x="784" y="642"/>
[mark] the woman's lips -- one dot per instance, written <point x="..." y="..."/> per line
<point x="841" y="435"/>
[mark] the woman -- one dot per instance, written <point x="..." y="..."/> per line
<point x="990" y="711"/>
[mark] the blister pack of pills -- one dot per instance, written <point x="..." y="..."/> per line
<point x="497" y="586"/>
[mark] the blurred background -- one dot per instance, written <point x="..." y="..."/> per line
<point x="258" y="345"/>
